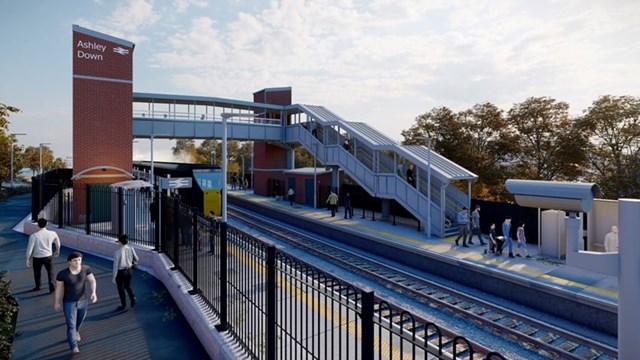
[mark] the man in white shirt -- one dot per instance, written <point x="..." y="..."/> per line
<point x="40" y="248"/>
<point x="611" y="240"/>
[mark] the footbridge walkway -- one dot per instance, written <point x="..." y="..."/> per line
<point x="375" y="161"/>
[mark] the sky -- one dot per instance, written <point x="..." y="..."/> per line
<point x="383" y="62"/>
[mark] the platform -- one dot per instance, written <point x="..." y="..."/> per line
<point x="534" y="276"/>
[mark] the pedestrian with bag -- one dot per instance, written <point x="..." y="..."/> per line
<point x="332" y="200"/>
<point x="124" y="260"/>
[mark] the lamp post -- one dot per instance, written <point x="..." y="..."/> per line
<point x="41" y="145"/>
<point x="242" y="179"/>
<point x="40" y="179"/>
<point x="428" y="139"/>
<point x="225" y="117"/>
<point x="152" y="179"/>
<point x="11" y="137"/>
<point x="315" y="176"/>
<point x="213" y="156"/>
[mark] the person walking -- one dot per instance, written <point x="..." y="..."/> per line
<point x="495" y="242"/>
<point x="71" y="296"/>
<point x="522" y="242"/>
<point x="123" y="261"/>
<point x="348" y="210"/>
<point x="410" y="177"/>
<point x="506" y="233"/>
<point x="611" y="240"/>
<point x="332" y="200"/>
<point x="40" y="247"/>
<point x="463" y="226"/>
<point x="475" y="226"/>
<point x="291" y="194"/>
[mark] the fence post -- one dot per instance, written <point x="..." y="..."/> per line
<point x="87" y="216"/>
<point x="34" y="199"/>
<point x="121" y="213"/>
<point x="176" y="235"/>
<point x="195" y="247"/>
<point x="366" y="341"/>
<point x="271" y="302"/>
<point x="60" y="206"/>
<point x="158" y="221"/>
<point x="224" y="277"/>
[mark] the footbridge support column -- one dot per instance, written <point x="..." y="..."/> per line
<point x="628" y="279"/>
<point x="385" y="208"/>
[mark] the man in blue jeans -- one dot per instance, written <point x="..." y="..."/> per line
<point x="70" y="296"/>
<point x="506" y="233"/>
<point x="463" y="226"/>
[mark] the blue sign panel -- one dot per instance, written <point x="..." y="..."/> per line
<point x="208" y="178"/>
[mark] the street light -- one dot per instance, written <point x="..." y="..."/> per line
<point x="152" y="175"/>
<point x="315" y="175"/>
<point x="11" y="137"/>
<point x="428" y="138"/>
<point x="42" y="144"/>
<point x="213" y="156"/>
<point x="40" y="179"/>
<point x="225" y="117"/>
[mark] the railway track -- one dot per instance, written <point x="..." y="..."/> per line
<point x="538" y="336"/>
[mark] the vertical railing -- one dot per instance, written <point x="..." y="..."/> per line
<point x="87" y="211"/>
<point x="273" y="303"/>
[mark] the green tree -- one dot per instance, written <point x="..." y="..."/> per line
<point x="31" y="159"/>
<point x="551" y="146"/>
<point x="6" y="141"/>
<point x="478" y="139"/>
<point x="613" y="125"/>
<point x="492" y="143"/>
<point x="185" y="149"/>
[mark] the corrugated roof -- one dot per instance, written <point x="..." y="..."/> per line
<point x="367" y="132"/>
<point x="322" y="113"/>
<point x="439" y="163"/>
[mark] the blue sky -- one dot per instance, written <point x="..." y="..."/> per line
<point x="379" y="61"/>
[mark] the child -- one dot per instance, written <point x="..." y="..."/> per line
<point x="495" y="242"/>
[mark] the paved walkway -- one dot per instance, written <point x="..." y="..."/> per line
<point x="155" y="329"/>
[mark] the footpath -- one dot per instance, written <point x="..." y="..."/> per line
<point x="155" y="329"/>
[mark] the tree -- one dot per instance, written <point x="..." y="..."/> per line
<point x="613" y="125"/>
<point x="185" y="149"/>
<point x="31" y="159"/>
<point x="6" y="141"/>
<point x="550" y="145"/>
<point x="478" y="139"/>
<point x="492" y="143"/>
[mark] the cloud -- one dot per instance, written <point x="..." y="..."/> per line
<point x="411" y="54"/>
<point x="126" y="20"/>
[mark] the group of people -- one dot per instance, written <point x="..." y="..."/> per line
<point x="238" y="183"/>
<point x="468" y="227"/>
<point x="332" y="201"/>
<point x="75" y="286"/>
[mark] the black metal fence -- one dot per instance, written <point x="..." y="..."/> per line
<point x="273" y="305"/>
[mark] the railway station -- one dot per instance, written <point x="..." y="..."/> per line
<point x="252" y="270"/>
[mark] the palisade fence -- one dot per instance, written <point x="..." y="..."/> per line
<point x="273" y="305"/>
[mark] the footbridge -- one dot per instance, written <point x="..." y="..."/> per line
<point x="372" y="159"/>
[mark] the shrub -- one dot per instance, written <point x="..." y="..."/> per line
<point x="8" y="317"/>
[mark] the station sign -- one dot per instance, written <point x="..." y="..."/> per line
<point x="175" y="183"/>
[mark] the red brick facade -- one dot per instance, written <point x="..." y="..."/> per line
<point x="102" y="110"/>
<point x="267" y="156"/>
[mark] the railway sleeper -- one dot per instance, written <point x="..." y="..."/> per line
<point x="566" y="345"/>
<point x="587" y="353"/>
